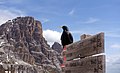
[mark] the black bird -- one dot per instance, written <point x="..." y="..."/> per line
<point x="66" y="37"/>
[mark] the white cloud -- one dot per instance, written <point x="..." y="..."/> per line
<point x="114" y="35"/>
<point x="51" y="36"/>
<point x="11" y="1"/>
<point x="80" y="32"/>
<point x="92" y="20"/>
<point x="116" y="46"/>
<point x="6" y="15"/>
<point x="1" y="2"/>
<point x="71" y="12"/>
<point x="44" y="20"/>
<point x="77" y="32"/>
<point x="89" y="21"/>
<point x="112" y="58"/>
<point x="113" y="64"/>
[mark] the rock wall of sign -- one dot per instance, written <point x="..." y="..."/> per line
<point x="84" y="56"/>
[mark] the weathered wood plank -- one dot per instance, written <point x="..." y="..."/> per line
<point x="94" y="64"/>
<point x="87" y="47"/>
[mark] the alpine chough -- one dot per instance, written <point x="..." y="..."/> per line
<point x="66" y="37"/>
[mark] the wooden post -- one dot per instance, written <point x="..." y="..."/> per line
<point x="80" y="56"/>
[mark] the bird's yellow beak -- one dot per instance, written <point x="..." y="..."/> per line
<point x="60" y="27"/>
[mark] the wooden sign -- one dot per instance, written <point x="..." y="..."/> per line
<point x="94" y="64"/>
<point x="87" y="47"/>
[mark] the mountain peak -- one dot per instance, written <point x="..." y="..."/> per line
<point x="26" y="43"/>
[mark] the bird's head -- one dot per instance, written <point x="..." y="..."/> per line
<point x="65" y="28"/>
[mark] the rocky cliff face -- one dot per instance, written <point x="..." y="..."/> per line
<point x="57" y="47"/>
<point x="22" y="43"/>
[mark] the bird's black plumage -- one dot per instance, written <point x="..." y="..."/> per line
<point x="66" y="37"/>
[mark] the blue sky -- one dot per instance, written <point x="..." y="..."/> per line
<point x="81" y="16"/>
